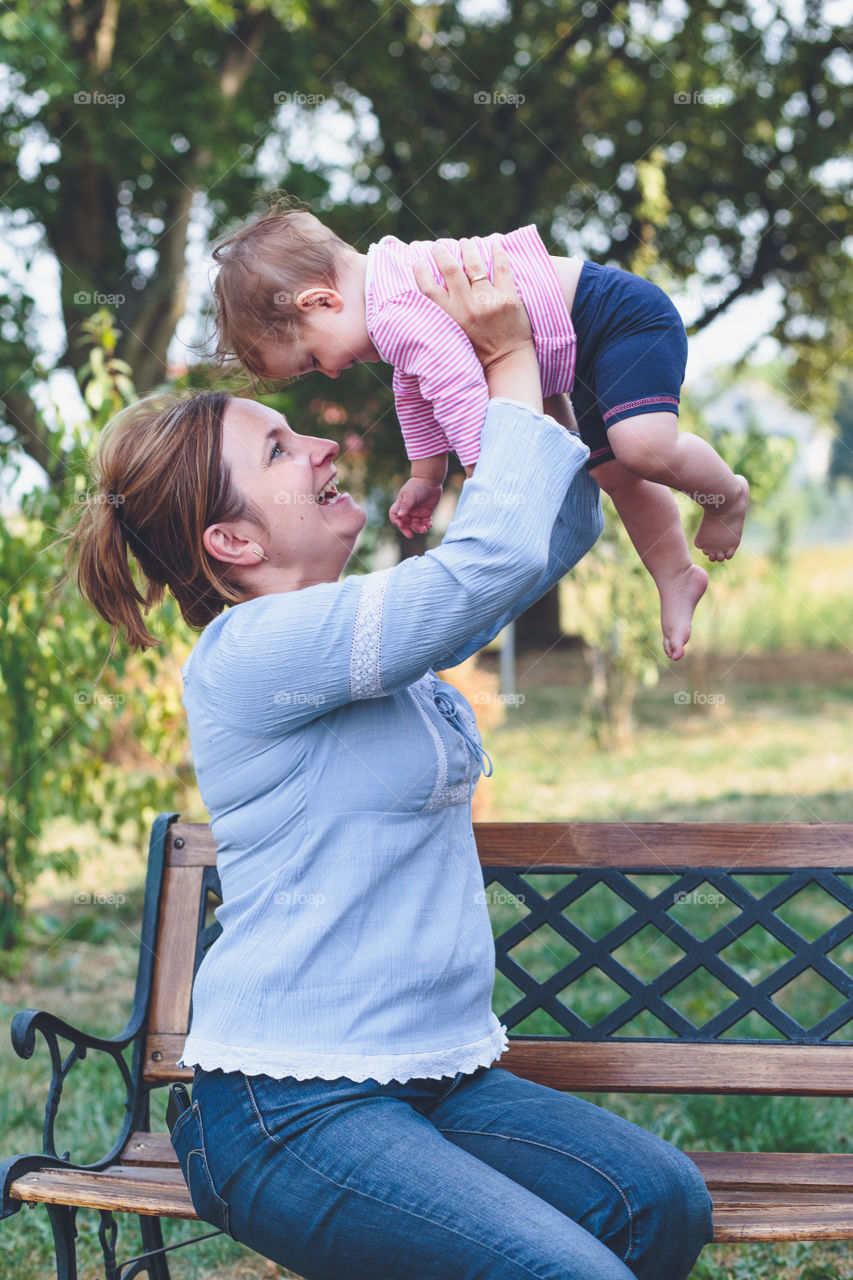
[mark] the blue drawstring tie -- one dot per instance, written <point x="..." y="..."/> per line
<point x="450" y="711"/>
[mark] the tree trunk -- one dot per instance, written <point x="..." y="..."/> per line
<point x="414" y="546"/>
<point x="539" y="626"/>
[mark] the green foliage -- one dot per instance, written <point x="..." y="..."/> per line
<point x="613" y="605"/>
<point x="701" y="145"/>
<point x="78" y="738"/>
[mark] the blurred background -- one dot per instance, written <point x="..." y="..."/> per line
<point x="705" y="146"/>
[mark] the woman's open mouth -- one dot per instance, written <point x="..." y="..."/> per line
<point x="329" y="495"/>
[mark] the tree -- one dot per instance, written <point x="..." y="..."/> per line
<point x="841" y="463"/>
<point x="563" y="115"/>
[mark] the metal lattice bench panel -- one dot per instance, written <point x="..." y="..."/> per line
<point x="576" y="951"/>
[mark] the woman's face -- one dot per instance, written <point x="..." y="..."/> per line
<point x="310" y="534"/>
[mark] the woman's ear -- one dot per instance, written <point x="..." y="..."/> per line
<point x="223" y="543"/>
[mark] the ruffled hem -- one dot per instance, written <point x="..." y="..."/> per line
<point x="383" y="1068"/>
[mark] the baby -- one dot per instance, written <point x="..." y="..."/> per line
<point x="292" y="297"/>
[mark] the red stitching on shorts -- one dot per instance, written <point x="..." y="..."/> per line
<point x="635" y="404"/>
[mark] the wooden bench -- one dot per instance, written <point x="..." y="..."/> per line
<point x="599" y="887"/>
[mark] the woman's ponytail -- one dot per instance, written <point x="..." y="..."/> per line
<point x="104" y="575"/>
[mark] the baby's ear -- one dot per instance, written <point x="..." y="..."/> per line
<point x="318" y="296"/>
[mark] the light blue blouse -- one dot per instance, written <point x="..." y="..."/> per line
<point x="338" y="770"/>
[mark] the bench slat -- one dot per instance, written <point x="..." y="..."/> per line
<point x="167" y="1197"/>
<point x="641" y="1067"/>
<point x="142" y="1149"/>
<point x="661" y="845"/>
<point x="176" y="941"/>
<point x="675" y="1067"/>
<point x="740" y="1224"/>
<point x="739" y="1216"/>
<point x="647" y="845"/>
<point x="781" y="1171"/>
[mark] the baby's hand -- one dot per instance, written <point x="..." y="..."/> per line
<point x="414" y="505"/>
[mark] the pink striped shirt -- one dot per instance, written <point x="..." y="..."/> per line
<point x="439" y="387"/>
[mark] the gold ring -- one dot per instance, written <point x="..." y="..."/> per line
<point x="476" y="279"/>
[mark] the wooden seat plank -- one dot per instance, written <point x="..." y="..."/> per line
<point x="775" y="1171"/>
<point x="167" y="1197"/>
<point x="149" y="1149"/>
<point x="739" y="1215"/>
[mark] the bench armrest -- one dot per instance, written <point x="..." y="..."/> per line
<point x="28" y="1022"/>
<point x="18" y="1167"/>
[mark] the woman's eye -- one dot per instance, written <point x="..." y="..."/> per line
<point x="276" y="449"/>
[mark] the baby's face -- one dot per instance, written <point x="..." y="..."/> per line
<point x="333" y="338"/>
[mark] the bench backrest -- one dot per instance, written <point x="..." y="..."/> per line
<point x="647" y="957"/>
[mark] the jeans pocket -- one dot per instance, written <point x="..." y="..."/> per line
<point x="188" y="1141"/>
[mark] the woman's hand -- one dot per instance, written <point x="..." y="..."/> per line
<point x="491" y="315"/>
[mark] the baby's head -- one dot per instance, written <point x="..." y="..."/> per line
<point x="288" y="297"/>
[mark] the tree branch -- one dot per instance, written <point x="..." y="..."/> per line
<point x="32" y="435"/>
<point x="149" y="319"/>
<point x="241" y="53"/>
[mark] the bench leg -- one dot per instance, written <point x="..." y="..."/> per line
<point x="152" y="1240"/>
<point x="63" y="1224"/>
<point x="107" y="1233"/>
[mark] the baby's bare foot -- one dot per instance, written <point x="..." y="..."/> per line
<point x="722" y="525"/>
<point x="679" y="597"/>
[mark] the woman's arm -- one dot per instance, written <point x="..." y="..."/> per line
<point x="275" y="663"/>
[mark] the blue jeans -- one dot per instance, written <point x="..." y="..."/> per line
<point x="463" y="1178"/>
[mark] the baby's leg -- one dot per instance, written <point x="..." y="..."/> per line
<point x="650" y="514"/>
<point x="651" y="446"/>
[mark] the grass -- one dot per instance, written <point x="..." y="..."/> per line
<point x="777" y="748"/>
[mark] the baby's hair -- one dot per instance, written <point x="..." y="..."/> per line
<point x="159" y="482"/>
<point x="263" y="266"/>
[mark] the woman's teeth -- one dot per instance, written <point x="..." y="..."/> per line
<point x="328" y="495"/>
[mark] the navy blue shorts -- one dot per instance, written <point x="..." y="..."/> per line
<point x="631" y="353"/>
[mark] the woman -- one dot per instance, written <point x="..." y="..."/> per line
<point x="347" y="1121"/>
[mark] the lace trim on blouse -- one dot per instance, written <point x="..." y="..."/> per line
<point x="353" y="1066"/>
<point x="366" y="654"/>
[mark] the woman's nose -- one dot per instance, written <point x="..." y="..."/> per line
<point x="323" y="450"/>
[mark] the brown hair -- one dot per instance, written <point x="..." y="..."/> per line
<point x="262" y="267"/>
<point x="159" y="482"/>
